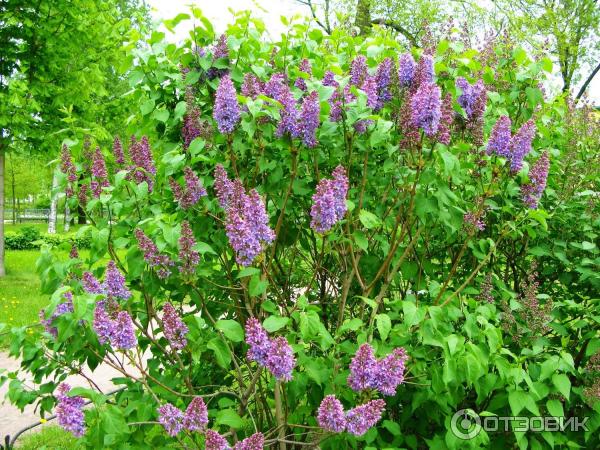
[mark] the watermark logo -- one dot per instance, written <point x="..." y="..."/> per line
<point x="467" y="424"/>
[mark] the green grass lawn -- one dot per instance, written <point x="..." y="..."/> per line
<point x="20" y="298"/>
<point x="48" y="438"/>
<point x="41" y="227"/>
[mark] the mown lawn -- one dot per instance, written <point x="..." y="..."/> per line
<point x="48" y="438"/>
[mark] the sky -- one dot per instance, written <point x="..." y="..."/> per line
<point x="270" y="11"/>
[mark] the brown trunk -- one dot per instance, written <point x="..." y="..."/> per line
<point x="363" y="16"/>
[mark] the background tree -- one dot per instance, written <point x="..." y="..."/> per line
<point x="26" y="176"/>
<point x="569" y="28"/>
<point x="61" y="60"/>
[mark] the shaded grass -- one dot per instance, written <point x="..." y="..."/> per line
<point x="41" y="227"/>
<point x="49" y="438"/>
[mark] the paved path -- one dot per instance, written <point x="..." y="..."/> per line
<point x="13" y="420"/>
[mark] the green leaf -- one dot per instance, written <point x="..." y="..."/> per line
<point x="147" y="107"/>
<point x="368" y="219"/>
<point x="392" y="427"/>
<point x="555" y="408"/>
<point x="275" y="323"/>
<point x="162" y="115"/>
<point x="229" y="418"/>
<point x="360" y="239"/>
<point x="231" y="329"/>
<point x="257" y="286"/>
<point x="350" y="325"/>
<point x="222" y="353"/>
<point x="562" y="383"/>
<point x="247" y="271"/>
<point x="384" y="325"/>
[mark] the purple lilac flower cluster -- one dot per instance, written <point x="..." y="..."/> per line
<point x="406" y="69"/>
<point x="189" y="195"/>
<point x="118" y="151"/>
<point x="426" y="108"/>
<point x="61" y="308"/>
<point x="153" y="257"/>
<point x="383" y="78"/>
<point x="69" y="411"/>
<point x="188" y="257"/>
<point x="532" y="191"/>
<point x="114" y="326"/>
<point x="191" y="121"/>
<point x="174" y="420"/>
<point x="173" y="327"/>
<point x="305" y="67"/>
<point x="247" y="223"/>
<point x="470" y="94"/>
<point x="513" y="148"/>
<point x="214" y="441"/>
<point x="446" y="119"/>
<point x="274" y="354"/>
<point x="309" y="119"/>
<point x="336" y="99"/>
<point x="113" y="286"/>
<point x="251" y="86"/>
<point x="357" y="421"/>
<point x="384" y="375"/>
<point x="473" y="221"/>
<point x="329" y="201"/>
<point x="99" y="173"/>
<point x="227" y="109"/>
<point x="358" y="70"/>
<point x="143" y="168"/>
<point x="219" y="51"/>
<point x="74" y="254"/>
<point x="68" y="168"/>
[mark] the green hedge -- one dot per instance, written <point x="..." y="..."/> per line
<point x="29" y="238"/>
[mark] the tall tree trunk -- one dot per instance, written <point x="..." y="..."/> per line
<point x="81" y="218"/>
<point x="2" y="151"/>
<point x="14" y="202"/>
<point x="67" y="217"/>
<point x="53" y="204"/>
<point x="363" y="16"/>
<point x="587" y="82"/>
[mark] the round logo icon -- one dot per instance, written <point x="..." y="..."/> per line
<point x="465" y="424"/>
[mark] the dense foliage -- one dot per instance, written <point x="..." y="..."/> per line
<point x="327" y="241"/>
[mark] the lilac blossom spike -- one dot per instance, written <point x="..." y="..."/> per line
<point x="99" y="173"/>
<point x="305" y="67"/>
<point x="214" y="441"/>
<point x="61" y="308"/>
<point x="358" y="70"/>
<point x="221" y="50"/>
<point x="73" y="254"/>
<point x="329" y="201"/>
<point x="331" y="416"/>
<point x="532" y="191"/>
<point x="369" y="87"/>
<point x="123" y="337"/>
<point x="66" y="164"/>
<point x="361" y="126"/>
<point x="171" y="418"/>
<point x="173" y="327"/>
<point x="363" y="369"/>
<point x="406" y="69"/>
<point x="473" y="221"/>
<point x="69" y="411"/>
<point x="329" y="79"/>
<point x="191" y="123"/>
<point x="258" y="340"/>
<point x="91" y="285"/>
<point x="193" y="191"/>
<point x="424" y="71"/>
<point x="289" y="122"/>
<point x="103" y="325"/>
<point x="499" y="142"/>
<point x="196" y="415"/>
<point x="280" y="359"/>
<point x="520" y="145"/>
<point x="469" y="95"/>
<point x="227" y="109"/>
<point x="446" y="119"/>
<point x="255" y="210"/>
<point x="251" y="86"/>
<point x="254" y="442"/>
<point x="426" y="108"/>
<point x="390" y="372"/>
<point x="152" y="256"/>
<point x="309" y="119"/>
<point x="188" y="257"/>
<point x="114" y="282"/>
<point x="223" y="186"/>
<point x="275" y="86"/>
<point x="335" y="101"/>
<point x="143" y="168"/>
<point x="118" y="151"/>
<point x="363" y="417"/>
<point x="384" y="79"/>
